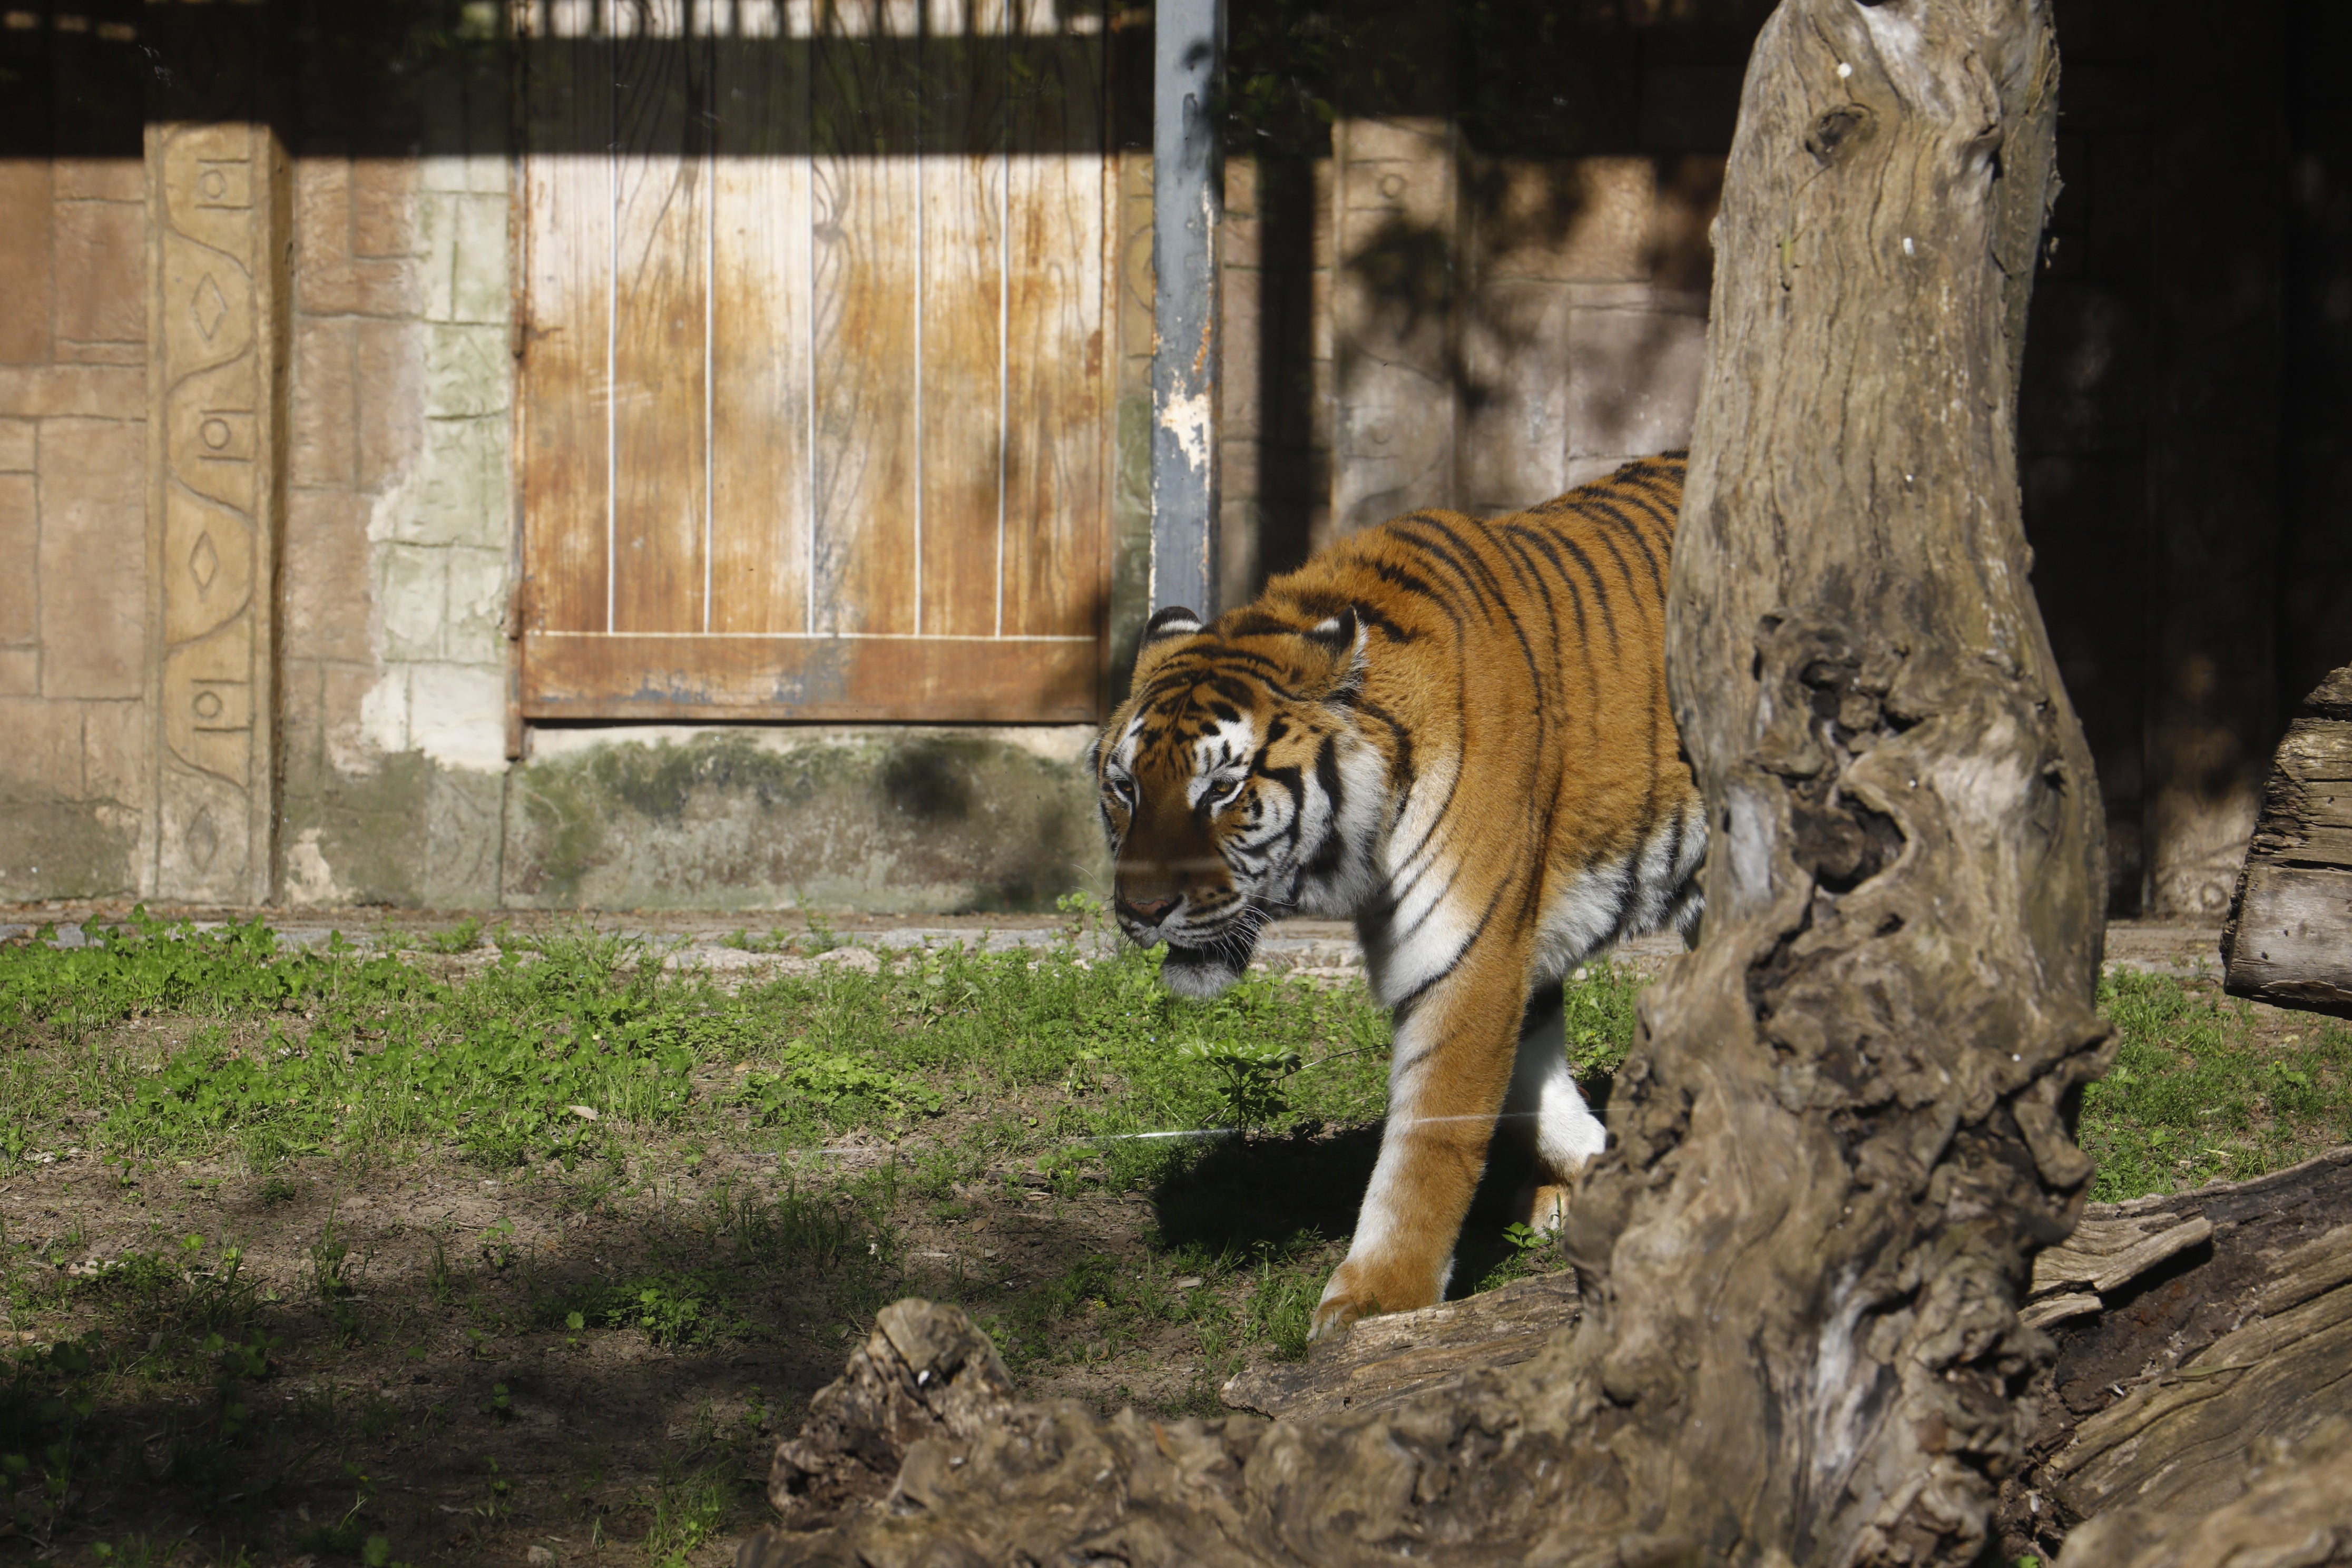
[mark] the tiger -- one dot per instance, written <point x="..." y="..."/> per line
<point x="1455" y="731"/>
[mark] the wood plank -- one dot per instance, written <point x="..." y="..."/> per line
<point x="936" y="680"/>
<point x="1056" y="499"/>
<point x="864" y="89"/>
<point x="567" y="271"/>
<point x="962" y="248"/>
<point x="2289" y="938"/>
<point x="760" y="343"/>
<point x="661" y="326"/>
<point x="2290" y="944"/>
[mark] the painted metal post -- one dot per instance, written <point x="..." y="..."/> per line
<point x="1187" y="207"/>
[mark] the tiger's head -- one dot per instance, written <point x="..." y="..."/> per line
<point x="1235" y="786"/>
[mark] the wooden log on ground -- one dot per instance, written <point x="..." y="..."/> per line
<point x="2204" y="1337"/>
<point x="2289" y="939"/>
<point x="2288" y="1511"/>
<point x="2237" y="1336"/>
<point x="1384" y="1362"/>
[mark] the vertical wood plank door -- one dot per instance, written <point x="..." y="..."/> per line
<point x="816" y="420"/>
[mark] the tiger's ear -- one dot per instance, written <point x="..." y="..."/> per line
<point x="1175" y="621"/>
<point x="1342" y="638"/>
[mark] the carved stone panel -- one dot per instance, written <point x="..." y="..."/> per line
<point x="216" y="201"/>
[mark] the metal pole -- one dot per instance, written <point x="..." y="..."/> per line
<point x="1187" y="205"/>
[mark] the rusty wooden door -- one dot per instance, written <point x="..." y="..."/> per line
<point x="814" y="417"/>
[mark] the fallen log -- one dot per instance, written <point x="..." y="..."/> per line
<point x="2202" y="1338"/>
<point x="2289" y="938"/>
<point x="2238" y="1338"/>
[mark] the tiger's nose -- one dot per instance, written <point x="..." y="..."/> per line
<point x="1147" y="911"/>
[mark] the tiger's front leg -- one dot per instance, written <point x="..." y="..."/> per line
<point x="1454" y="1050"/>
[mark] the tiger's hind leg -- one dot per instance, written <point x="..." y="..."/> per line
<point x="1547" y="1111"/>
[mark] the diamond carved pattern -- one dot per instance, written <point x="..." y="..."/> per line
<point x="203" y="562"/>
<point x="206" y="307"/>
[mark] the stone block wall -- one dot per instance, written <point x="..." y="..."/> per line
<point x="73" y="564"/>
<point x="399" y="510"/>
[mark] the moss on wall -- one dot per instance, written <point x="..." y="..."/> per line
<point x="67" y="849"/>
<point x="413" y="834"/>
<point x="941" y="821"/>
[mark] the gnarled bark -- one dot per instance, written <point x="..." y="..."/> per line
<point x="1842" y="1132"/>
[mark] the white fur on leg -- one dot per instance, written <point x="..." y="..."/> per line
<point x="1568" y="1134"/>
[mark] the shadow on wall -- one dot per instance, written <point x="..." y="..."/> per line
<point x="780" y="819"/>
<point x="1542" y="284"/>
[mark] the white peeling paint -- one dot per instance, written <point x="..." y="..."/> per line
<point x="1187" y="419"/>
<point x="309" y="879"/>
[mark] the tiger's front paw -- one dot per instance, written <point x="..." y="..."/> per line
<point x="1363" y="1288"/>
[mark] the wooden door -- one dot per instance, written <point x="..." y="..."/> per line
<point x="815" y="416"/>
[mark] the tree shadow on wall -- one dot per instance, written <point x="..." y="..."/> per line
<point x="1552" y="104"/>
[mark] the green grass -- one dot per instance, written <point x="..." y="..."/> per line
<point x="1136" y="1195"/>
<point x="2207" y="1087"/>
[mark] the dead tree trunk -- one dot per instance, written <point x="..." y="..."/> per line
<point x="1843" y="1133"/>
<point x="1858" y="1088"/>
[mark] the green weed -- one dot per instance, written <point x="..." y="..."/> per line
<point x="688" y="1507"/>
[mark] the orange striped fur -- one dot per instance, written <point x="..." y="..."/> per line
<point x="1455" y="731"/>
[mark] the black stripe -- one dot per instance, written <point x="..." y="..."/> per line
<point x="1326" y="777"/>
<point x="1607" y="513"/>
<point x="1401" y="775"/>
<point x="1484" y="573"/>
<point x="1476" y="575"/>
<point x="1437" y="552"/>
<point x="1607" y="615"/>
<point x="1412" y="583"/>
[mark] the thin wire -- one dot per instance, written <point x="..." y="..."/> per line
<point x="921" y="219"/>
<point x="1004" y="310"/>
<point x="709" y="349"/>
<point x="613" y="353"/>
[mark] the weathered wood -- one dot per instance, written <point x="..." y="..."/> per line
<point x="2288" y="1507"/>
<point x="775" y="330"/>
<point x="759" y="345"/>
<point x="924" y="1372"/>
<point x="2261" y="1365"/>
<point x="2177" y="1441"/>
<point x="1384" y="1362"/>
<point x="1055" y="463"/>
<point x="963" y="173"/>
<point x="868" y="301"/>
<point x="993" y="680"/>
<point x="2105" y="1253"/>
<point x="2244" y="1337"/>
<point x="661" y="325"/>
<point x="2289" y="939"/>
<point x="563" y="423"/>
